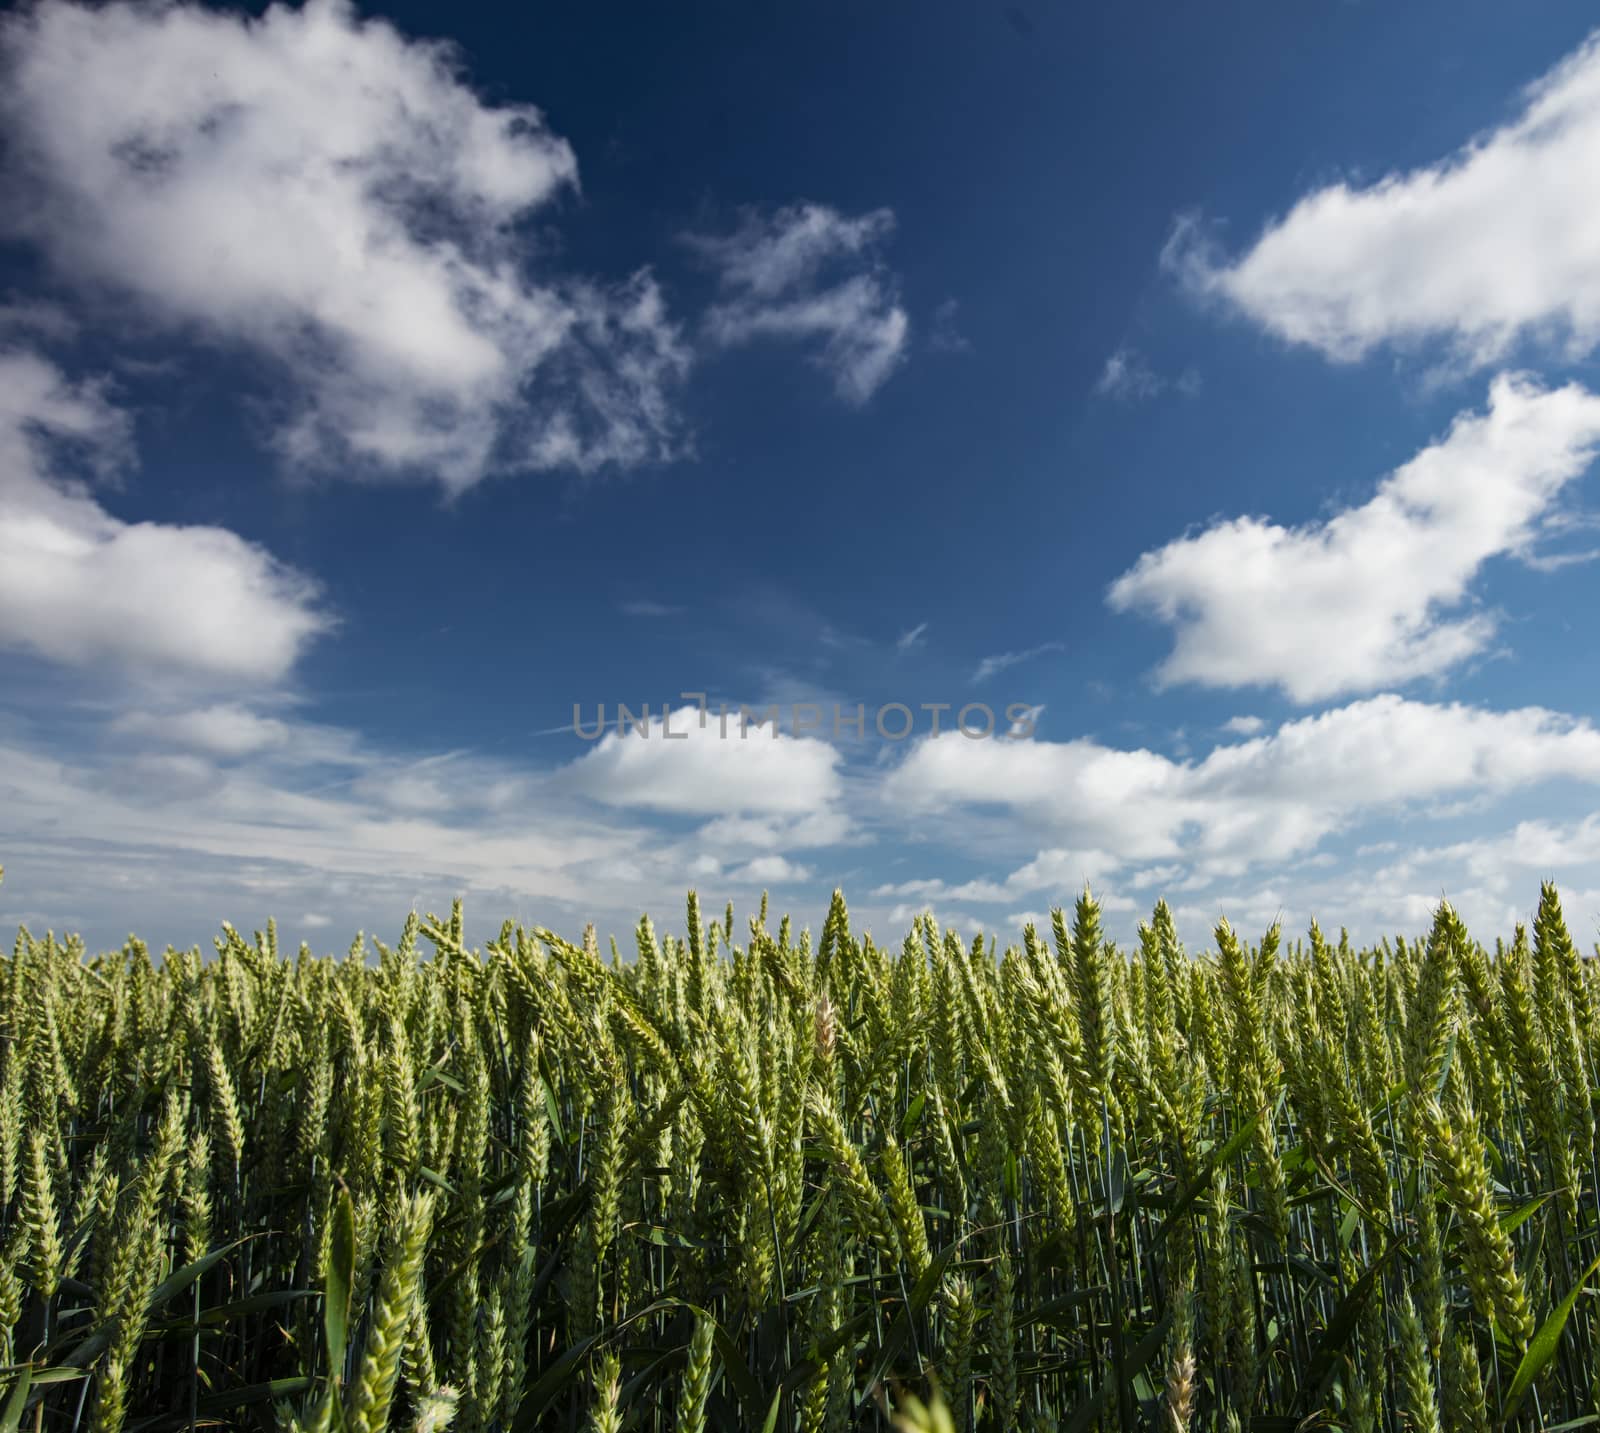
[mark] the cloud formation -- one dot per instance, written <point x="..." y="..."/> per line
<point x="992" y="666"/>
<point x="81" y="587"/>
<point x="1493" y="243"/>
<point x="224" y="730"/>
<point x="809" y="273"/>
<point x="323" y="191"/>
<point x="1263" y="800"/>
<point x="697" y="770"/>
<point x="1373" y="596"/>
<point x="1129" y="378"/>
<point x="912" y="638"/>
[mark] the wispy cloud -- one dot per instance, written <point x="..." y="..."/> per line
<point x="1129" y="378"/>
<point x="944" y="336"/>
<point x="910" y="641"/>
<point x="808" y="272"/>
<point x="1004" y="661"/>
<point x="1555" y="561"/>
<point x="644" y="607"/>
<point x="223" y="730"/>
<point x="37" y="319"/>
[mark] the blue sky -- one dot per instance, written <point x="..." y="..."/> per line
<point x="376" y="386"/>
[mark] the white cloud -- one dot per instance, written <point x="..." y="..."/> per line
<point x="916" y="637"/>
<point x="1063" y="870"/>
<point x="1492" y="243"/>
<point x="415" y="791"/>
<point x="176" y="843"/>
<point x="1267" y="799"/>
<point x="928" y="890"/>
<point x="81" y="587"/>
<point x="1492" y="881"/>
<point x="945" y="336"/>
<point x="697" y="770"/>
<point x="224" y="729"/>
<point x="769" y="868"/>
<point x="1127" y="376"/>
<point x="771" y="270"/>
<point x="1555" y="561"/>
<point x="1152" y="877"/>
<point x="1372" y="596"/>
<point x="1004" y="661"/>
<point x="178" y="836"/>
<point x="333" y="195"/>
<point x="1243" y="725"/>
<point x="736" y="835"/>
<point x="141" y="831"/>
<point x="1051" y="870"/>
<point x="644" y="607"/>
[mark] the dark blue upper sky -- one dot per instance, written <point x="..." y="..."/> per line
<point x="1049" y="386"/>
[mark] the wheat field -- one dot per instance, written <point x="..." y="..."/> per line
<point x="752" y="1179"/>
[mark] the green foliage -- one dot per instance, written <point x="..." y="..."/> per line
<point x="793" y="1185"/>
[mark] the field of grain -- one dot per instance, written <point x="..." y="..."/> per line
<point x="748" y="1178"/>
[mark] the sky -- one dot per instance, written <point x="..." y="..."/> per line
<point x="1170" y="430"/>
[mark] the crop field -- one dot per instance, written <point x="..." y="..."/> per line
<point x="756" y="1178"/>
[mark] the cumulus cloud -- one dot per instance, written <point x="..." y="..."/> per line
<point x="333" y="195"/>
<point x="81" y="587"/>
<point x="769" y="868"/>
<point x="1374" y="595"/>
<point x="1489" y="244"/>
<point x="1243" y="725"/>
<point x="1269" y="798"/>
<point x="809" y="273"/>
<point x="680" y="765"/>
<point x="219" y="817"/>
